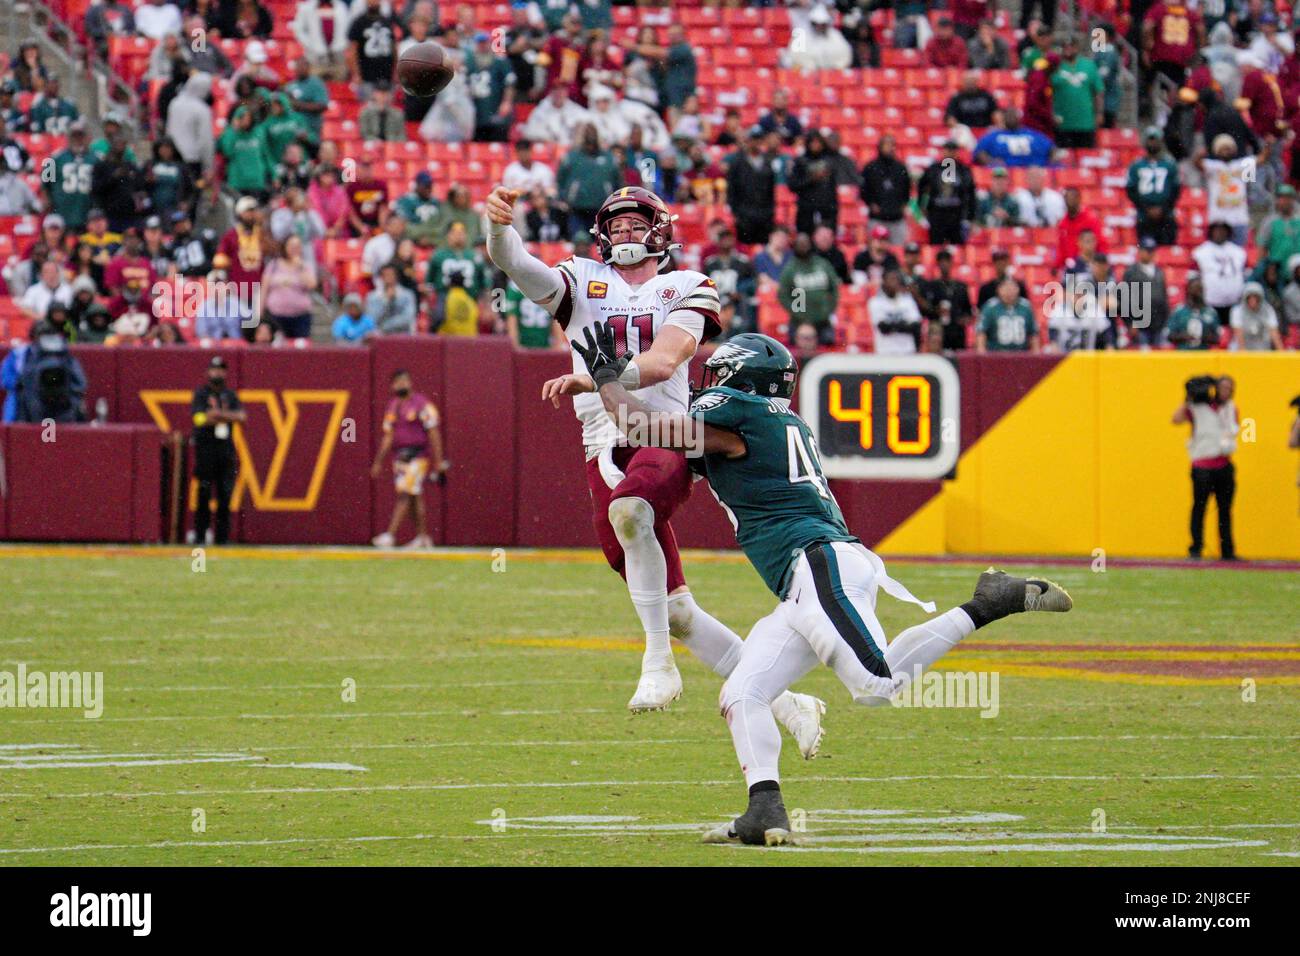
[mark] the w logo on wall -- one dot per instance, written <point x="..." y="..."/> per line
<point x="291" y="434"/>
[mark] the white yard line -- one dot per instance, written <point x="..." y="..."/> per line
<point x="583" y="784"/>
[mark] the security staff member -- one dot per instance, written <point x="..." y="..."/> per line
<point x="215" y="409"/>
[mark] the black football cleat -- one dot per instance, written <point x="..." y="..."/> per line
<point x="764" y="823"/>
<point x="998" y="594"/>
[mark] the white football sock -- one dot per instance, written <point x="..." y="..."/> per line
<point x="704" y="635"/>
<point x="756" y="738"/>
<point x="916" y="649"/>
<point x="647" y="571"/>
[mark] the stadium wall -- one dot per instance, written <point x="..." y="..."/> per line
<point x="1059" y="455"/>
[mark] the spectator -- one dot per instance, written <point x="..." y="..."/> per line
<point x="779" y="119"/>
<point x="997" y="208"/>
<point x="1077" y="317"/>
<point x="911" y="26"/>
<point x="895" y="317"/>
<point x="308" y="97"/>
<point x="1001" y="269"/>
<point x="588" y="174"/>
<point x="256" y="70"/>
<point x="1046" y="9"/>
<point x="971" y="106"/>
<point x="1039" y="205"/>
<point x="751" y="191"/>
<point x="677" y="71"/>
<point x="372" y="50"/>
<point x="1171" y="35"/>
<point x="1194" y="325"/>
<point x="1222" y="265"/>
<point x="986" y="50"/>
<point x="843" y="171"/>
<point x="816" y="200"/>
<point x="330" y="201"/>
<point x="1265" y="109"/>
<point x="225" y="312"/>
<point x="457" y="266"/>
<point x="243" y="20"/>
<point x="1153" y="187"/>
<point x="131" y="275"/>
<point x="874" y="259"/>
<point x="967" y="15"/>
<point x="771" y="260"/>
<point x="248" y="163"/>
<point x="28" y="70"/>
<point x="288" y="282"/>
<point x="736" y="281"/>
<point x="156" y="19"/>
<point x="117" y="185"/>
<point x="208" y="58"/>
<point x="1038" y="108"/>
<point x="418" y="209"/>
<point x="820" y="46"/>
<point x="244" y="246"/>
<point x="380" y="120"/>
<point x="809" y="290"/>
<point x="1279" y="234"/>
<point x="1148" y="295"/>
<point x="1225" y="184"/>
<point x="945" y="301"/>
<point x="1109" y="68"/>
<point x="189" y="250"/>
<point x="526" y="174"/>
<point x="353" y="326"/>
<point x="1077" y="219"/>
<point x="1006" y="322"/>
<point x="1013" y="144"/>
<point x="392" y="306"/>
<point x="556" y="119"/>
<point x="523" y="42"/>
<point x="1253" y="322"/>
<point x="862" y="38"/>
<point x="48" y="289"/>
<point x="108" y="18"/>
<point x="1076" y="98"/>
<point x="189" y="122"/>
<point x="544" y="222"/>
<point x="50" y="112"/>
<point x="368" y="194"/>
<point x="457" y="210"/>
<point x="492" y="86"/>
<point x="886" y="189"/>
<point x="381" y="248"/>
<point x="599" y="66"/>
<point x="1213" y="416"/>
<point x="824" y="245"/>
<point x="562" y="55"/>
<point x="321" y="27"/>
<point x="946" y="48"/>
<point x="612" y="128"/>
<point x="946" y="195"/>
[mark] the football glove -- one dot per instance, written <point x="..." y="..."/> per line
<point x="598" y="354"/>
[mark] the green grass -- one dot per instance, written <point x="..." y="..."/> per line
<point x="244" y="664"/>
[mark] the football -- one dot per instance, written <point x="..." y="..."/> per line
<point x="424" y="69"/>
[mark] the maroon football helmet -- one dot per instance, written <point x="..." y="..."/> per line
<point x="642" y="204"/>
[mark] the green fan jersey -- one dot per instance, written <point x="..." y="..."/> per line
<point x="775" y="494"/>
<point x="69" y="189"/>
<point x="1007" y="328"/>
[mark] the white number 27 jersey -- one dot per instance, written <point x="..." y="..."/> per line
<point x="596" y="293"/>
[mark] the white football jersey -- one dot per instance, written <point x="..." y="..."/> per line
<point x="596" y="293"/>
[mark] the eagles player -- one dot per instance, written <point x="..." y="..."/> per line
<point x="762" y="464"/>
<point x="657" y="318"/>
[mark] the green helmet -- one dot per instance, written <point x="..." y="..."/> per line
<point x="753" y="363"/>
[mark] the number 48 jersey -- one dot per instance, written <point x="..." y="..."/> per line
<point x="596" y="293"/>
<point x="775" y="494"/>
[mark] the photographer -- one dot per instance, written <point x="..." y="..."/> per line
<point x="1293" y="441"/>
<point x="52" y="384"/>
<point x="1213" y="416"/>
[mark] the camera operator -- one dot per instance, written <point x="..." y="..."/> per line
<point x="1294" y="440"/>
<point x="1213" y="416"/>
<point x="52" y="383"/>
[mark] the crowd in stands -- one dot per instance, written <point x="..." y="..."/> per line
<point x="886" y="176"/>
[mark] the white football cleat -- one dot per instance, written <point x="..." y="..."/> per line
<point x="420" y="542"/>
<point x="660" y="685"/>
<point x="803" y="718"/>
<point x="384" y="540"/>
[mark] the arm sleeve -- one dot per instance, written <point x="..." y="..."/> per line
<point x="535" y="279"/>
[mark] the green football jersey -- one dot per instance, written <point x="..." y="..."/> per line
<point x="1007" y="328"/>
<point x="69" y="189"/>
<point x="775" y="494"/>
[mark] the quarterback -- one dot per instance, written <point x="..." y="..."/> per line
<point x="656" y="318"/>
<point x="762" y="464"/>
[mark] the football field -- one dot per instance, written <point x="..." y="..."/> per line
<point x="352" y="708"/>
